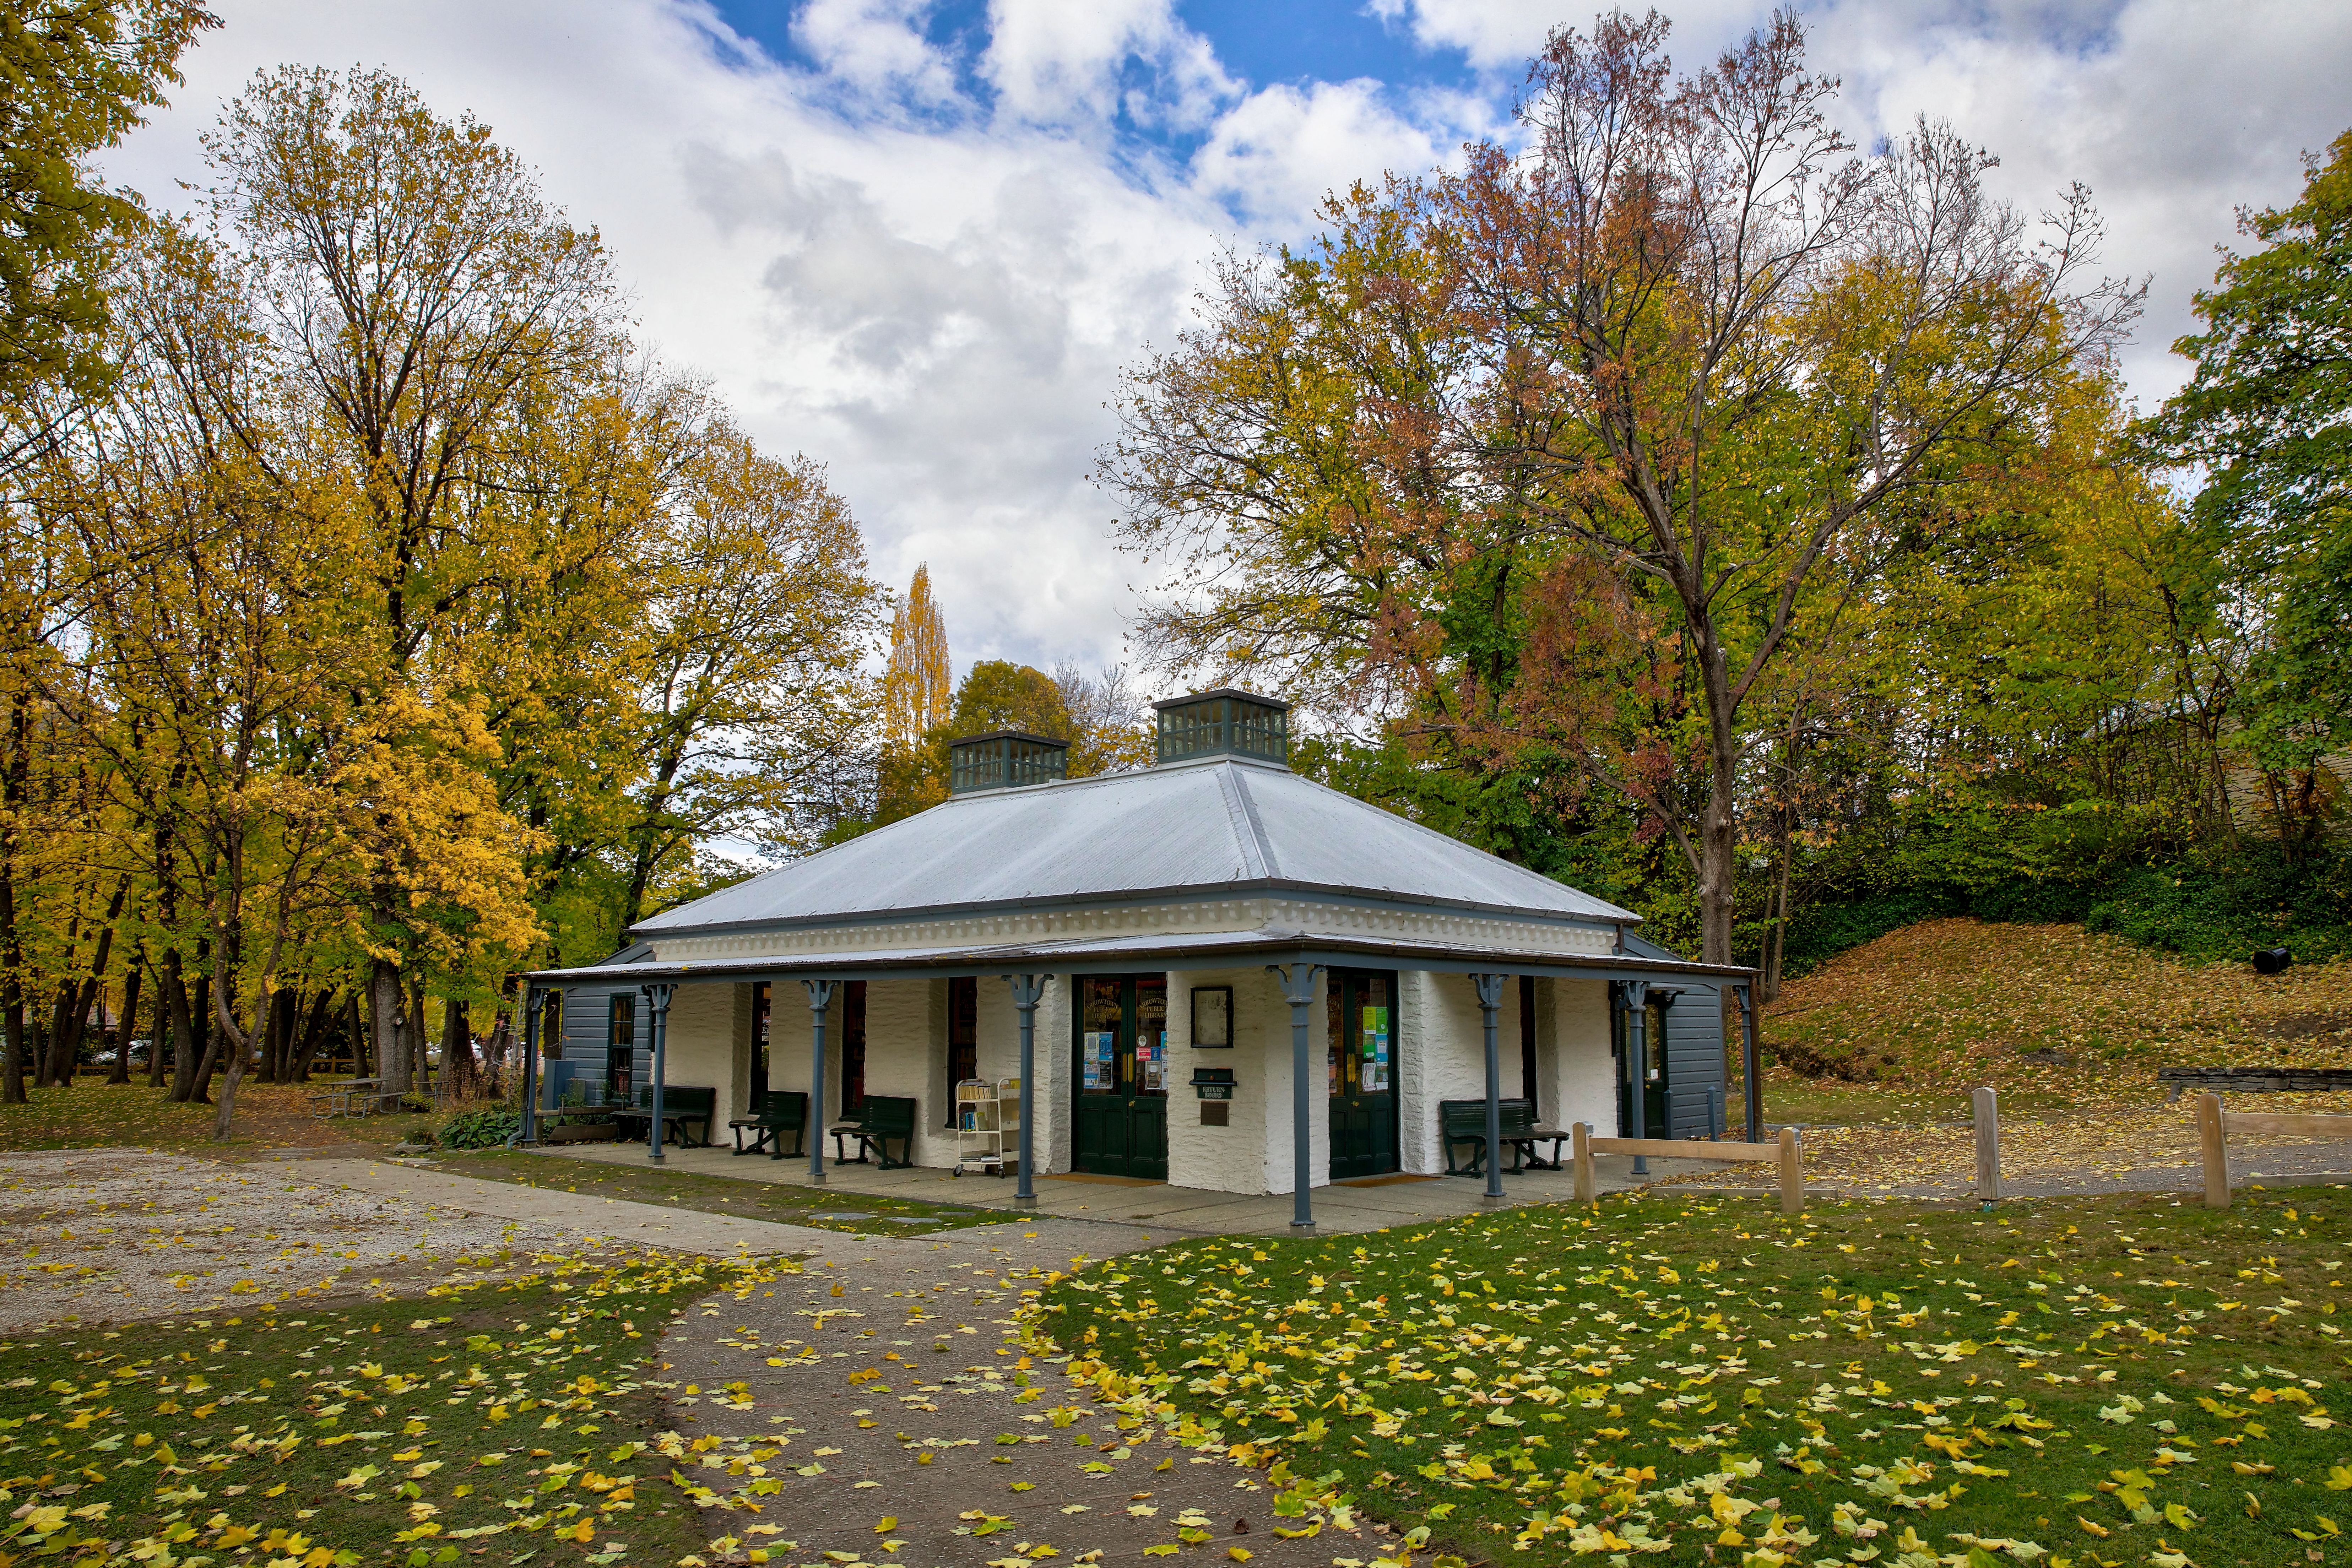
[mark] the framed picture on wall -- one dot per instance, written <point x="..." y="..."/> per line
<point x="1212" y="1017"/>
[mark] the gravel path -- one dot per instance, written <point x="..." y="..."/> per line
<point x="111" y="1235"/>
<point x="884" y="1380"/>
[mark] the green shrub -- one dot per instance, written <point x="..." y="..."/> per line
<point x="487" y="1128"/>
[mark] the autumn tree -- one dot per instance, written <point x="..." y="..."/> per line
<point x="2267" y="416"/>
<point x="1583" y="452"/>
<point x="760" y="615"/>
<point x="917" y="689"/>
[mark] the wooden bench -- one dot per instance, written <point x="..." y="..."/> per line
<point x="2252" y="1080"/>
<point x="1465" y="1121"/>
<point x="781" y="1111"/>
<point x="878" y="1119"/>
<point x="682" y="1104"/>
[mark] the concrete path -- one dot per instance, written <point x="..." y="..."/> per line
<point x="876" y="1394"/>
<point x="594" y="1218"/>
<point x="1375" y="1204"/>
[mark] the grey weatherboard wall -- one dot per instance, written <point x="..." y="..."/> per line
<point x="1695" y="1050"/>
<point x="587" y="1010"/>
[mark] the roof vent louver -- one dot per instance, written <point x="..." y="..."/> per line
<point x="1224" y="723"/>
<point x="1005" y="758"/>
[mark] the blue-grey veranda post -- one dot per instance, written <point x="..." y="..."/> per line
<point x="532" y="1004"/>
<point x="820" y="993"/>
<point x="1490" y="999"/>
<point x="1026" y="991"/>
<point x="1637" y="1060"/>
<point x="1298" y="990"/>
<point x="657" y="1001"/>
<point x="1751" y="1077"/>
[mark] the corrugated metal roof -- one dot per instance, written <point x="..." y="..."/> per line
<point x="1216" y="829"/>
<point x="1193" y="948"/>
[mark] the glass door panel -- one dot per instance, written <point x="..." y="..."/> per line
<point x="1360" y="1068"/>
<point x="1120" y="1084"/>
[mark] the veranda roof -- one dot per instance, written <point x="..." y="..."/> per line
<point x="1188" y="950"/>
<point x="1218" y="829"/>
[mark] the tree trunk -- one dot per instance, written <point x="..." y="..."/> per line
<point x="313" y="1034"/>
<point x="56" y="1073"/>
<point x="12" y="948"/>
<point x="1719" y="866"/>
<point x="126" y="1027"/>
<point x="74" y="1027"/>
<point x="12" y="1018"/>
<point x="356" y="1034"/>
<point x="175" y="1011"/>
<point x="285" y="1016"/>
<point x="495" y="1050"/>
<point x="207" y="1039"/>
<point x="237" y="1052"/>
<point x="158" y="1033"/>
<point x="417" y="1042"/>
<point x="383" y="1001"/>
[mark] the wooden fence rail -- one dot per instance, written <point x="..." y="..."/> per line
<point x="2215" y="1126"/>
<point x="1785" y="1154"/>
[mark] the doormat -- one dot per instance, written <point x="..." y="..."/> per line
<point x="1103" y="1181"/>
<point x="1383" y="1181"/>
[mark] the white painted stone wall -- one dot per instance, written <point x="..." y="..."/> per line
<point x="1444" y="1044"/>
<point x="1441" y="1055"/>
<point x="1583" y="1084"/>
<point x="699" y="1045"/>
<point x="1252" y="1154"/>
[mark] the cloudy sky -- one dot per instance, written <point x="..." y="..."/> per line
<point x="918" y="241"/>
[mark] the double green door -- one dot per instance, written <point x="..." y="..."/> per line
<point x="1119" y="1078"/>
<point x="1360" y="1060"/>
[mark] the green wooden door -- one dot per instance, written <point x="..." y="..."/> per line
<point x="1119" y="1077"/>
<point x="1360" y="1031"/>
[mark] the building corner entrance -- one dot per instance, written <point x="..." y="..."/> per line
<point x="1119" y="1081"/>
<point x="1361" y="1065"/>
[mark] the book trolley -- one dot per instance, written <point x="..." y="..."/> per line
<point x="988" y="1125"/>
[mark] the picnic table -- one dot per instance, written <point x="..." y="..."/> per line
<point x="354" y="1097"/>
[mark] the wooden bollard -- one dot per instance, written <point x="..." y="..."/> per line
<point x="1581" y="1140"/>
<point x="1988" y="1118"/>
<point x="2215" y="1148"/>
<point x="1792" y="1174"/>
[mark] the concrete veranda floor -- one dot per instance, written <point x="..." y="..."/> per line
<point x="1373" y="1204"/>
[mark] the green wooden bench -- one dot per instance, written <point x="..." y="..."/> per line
<point x="1465" y="1121"/>
<point x="876" y="1124"/>
<point x="781" y="1111"/>
<point x="682" y="1105"/>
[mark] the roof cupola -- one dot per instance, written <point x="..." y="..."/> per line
<point x="1224" y="723"/>
<point x="1005" y="758"/>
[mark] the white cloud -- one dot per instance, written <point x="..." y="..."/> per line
<point x="1055" y="63"/>
<point x="876" y="47"/>
<point x="927" y="270"/>
<point x="1273" y="157"/>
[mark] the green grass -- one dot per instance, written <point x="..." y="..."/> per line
<point x="506" y="1421"/>
<point x="95" y="1114"/>
<point x="2073" y="1382"/>
<point x="745" y="1198"/>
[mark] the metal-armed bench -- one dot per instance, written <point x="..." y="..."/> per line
<point x="682" y="1105"/>
<point x="881" y="1119"/>
<point x="1465" y="1121"/>
<point x="781" y="1111"/>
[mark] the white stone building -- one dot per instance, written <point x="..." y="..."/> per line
<point x="1214" y="917"/>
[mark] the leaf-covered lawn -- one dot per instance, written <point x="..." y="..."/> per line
<point x="2080" y="1382"/>
<point x="2053" y="1017"/>
<point x="744" y="1198"/>
<point x="506" y="1421"/>
<point x="95" y="1114"/>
